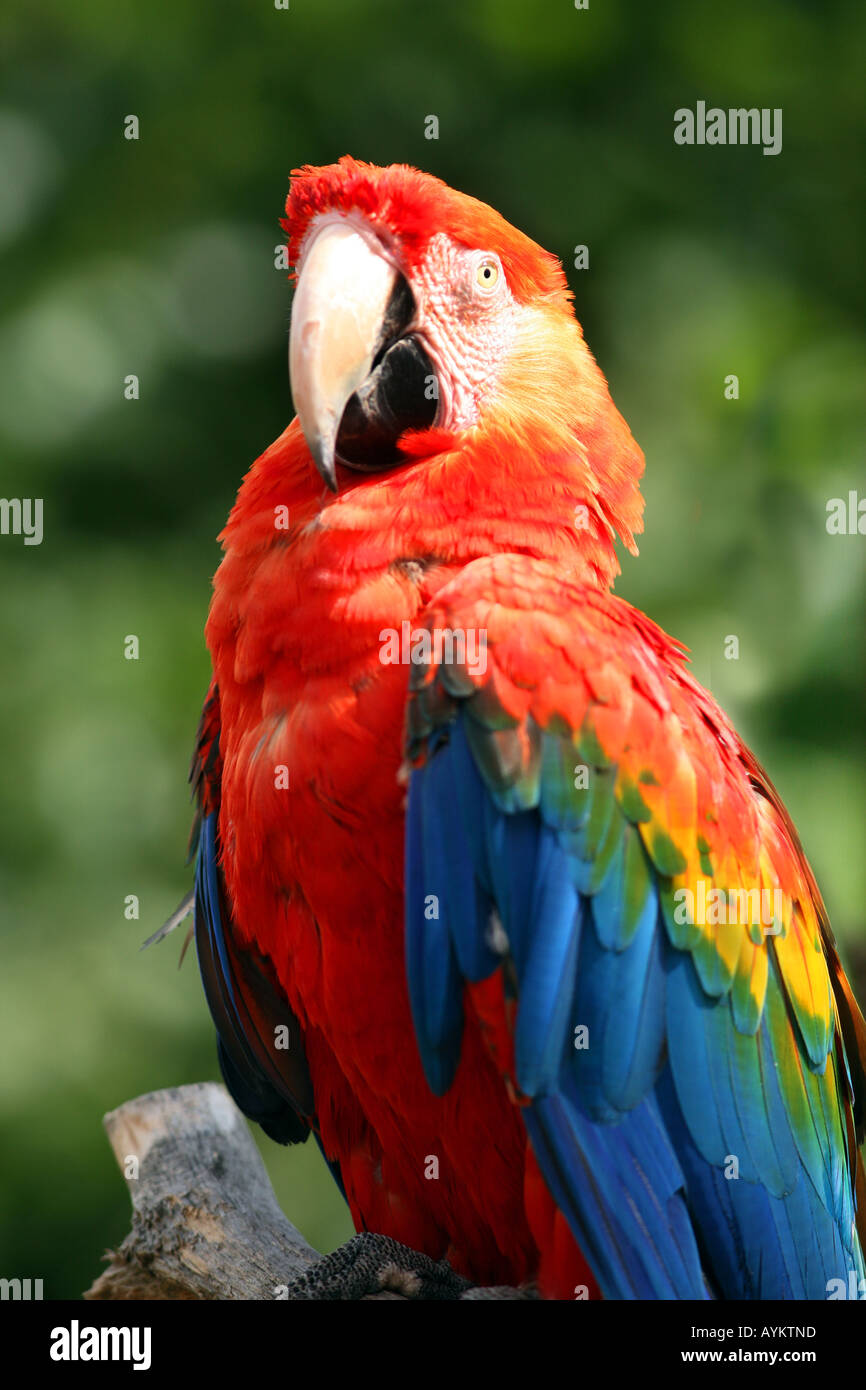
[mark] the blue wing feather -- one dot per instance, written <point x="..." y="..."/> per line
<point x="271" y="1085"/>
<point x="435" y="992"/>
<point x="634" y="1132"/>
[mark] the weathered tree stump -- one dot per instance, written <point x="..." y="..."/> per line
<point x="205" y="1221"/>
<point x="207" y="1225"/>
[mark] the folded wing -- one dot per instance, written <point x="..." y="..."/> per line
<point x="585" y="825"/>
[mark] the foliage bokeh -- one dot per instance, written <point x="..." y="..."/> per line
<point x="156" y="257"/>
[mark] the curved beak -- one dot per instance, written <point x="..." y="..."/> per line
<point x="344" y="286"/>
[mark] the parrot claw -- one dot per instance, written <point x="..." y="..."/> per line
<point x="370" y="1265"/>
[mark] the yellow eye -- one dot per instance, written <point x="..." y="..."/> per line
<point x="487" y="274"/>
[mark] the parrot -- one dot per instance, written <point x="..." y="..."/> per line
<point x="490" y="898"/>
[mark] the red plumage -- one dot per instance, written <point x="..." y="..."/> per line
<point x="313" y="871"/>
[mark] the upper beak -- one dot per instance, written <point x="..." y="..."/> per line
<point x="344" y="285"/>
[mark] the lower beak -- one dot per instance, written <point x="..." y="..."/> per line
<point x="344" y="287"/>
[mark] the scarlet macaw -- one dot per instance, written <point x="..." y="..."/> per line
<point x="518" y="1041"/>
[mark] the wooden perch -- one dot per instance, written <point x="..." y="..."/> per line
<point x="205" y="1221"/>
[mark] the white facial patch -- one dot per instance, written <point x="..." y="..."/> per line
<point x="466" y="324"/>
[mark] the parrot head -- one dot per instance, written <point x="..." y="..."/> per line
<point x="424" y="324"/>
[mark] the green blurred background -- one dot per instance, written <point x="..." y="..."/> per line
<point x="156" y="257"/>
